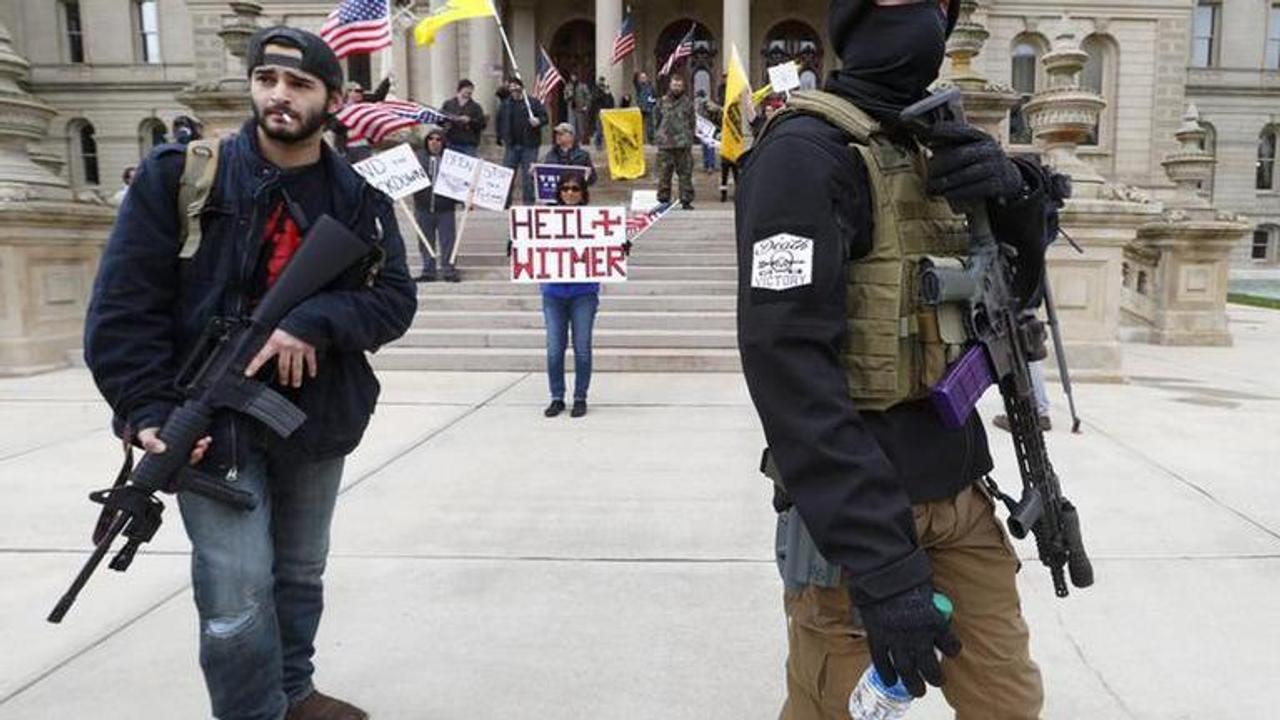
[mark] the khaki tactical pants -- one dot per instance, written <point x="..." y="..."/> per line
<point x="993" y="678"/>
<point x="679" y="161"/>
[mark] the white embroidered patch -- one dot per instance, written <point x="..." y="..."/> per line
<point x="782" y="262"/>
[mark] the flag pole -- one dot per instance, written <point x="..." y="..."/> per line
<point x="388" y="53"/>
<point x="506" y="43"/>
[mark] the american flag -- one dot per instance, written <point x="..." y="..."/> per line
<point x="548" y="76"/>
<point x="638" y="223"/>
<point x="374" y="121"/>
<point x="357" y="26"/>
<point x="683" y="50"/>
<point x="625" y="42"/>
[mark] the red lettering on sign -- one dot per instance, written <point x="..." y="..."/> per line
<point x="607" y="221"/>
<point x="542" y="263"/>
<point x="616" y="258"/>
<point x="520" y="220"/>
<point x="565" y="213"/>
<point x="521" y="269"/>
<point x="579" y="259"/>
<point x="541" y="231"/>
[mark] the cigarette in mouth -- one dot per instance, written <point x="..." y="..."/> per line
<point x="287" y="117"/>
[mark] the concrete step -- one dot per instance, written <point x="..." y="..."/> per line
<point x="534" y="359"/>
<point x="630" y="287"/>
<point x="536" y="338"/>
<point x="431" y="318"/>
<point x="608" y="303"/>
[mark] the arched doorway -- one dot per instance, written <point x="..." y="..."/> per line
<point x="573" y="50"/>
<point x="794" y="40"/>
<point x="701" y="71"/>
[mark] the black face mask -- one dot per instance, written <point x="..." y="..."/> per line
<point x="890" y="54"/>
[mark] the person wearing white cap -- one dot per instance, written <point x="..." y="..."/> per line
<point x="567" y="151"/>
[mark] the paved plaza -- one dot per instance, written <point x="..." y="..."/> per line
<point x="489" y="563"/>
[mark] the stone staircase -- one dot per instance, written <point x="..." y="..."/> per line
<point x="676" y="312"/>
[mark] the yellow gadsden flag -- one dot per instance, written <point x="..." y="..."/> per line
<point x="424" y="33"/>
<point x="624" y="141"/>
<point x="737" y="109"/>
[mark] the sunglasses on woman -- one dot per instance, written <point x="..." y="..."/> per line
<point x="571" y="188"/>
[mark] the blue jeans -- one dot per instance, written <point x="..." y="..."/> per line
<point x="520" y="158"/>
<point x="441" y="228"/>
<point x="257" y="582"/>
<point x="559" y="313"/>
<point x="708" y="158"/>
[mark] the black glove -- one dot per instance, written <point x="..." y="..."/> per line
<point x="509" y="248"/>
<point x="968" y="165"/>
<point x="903" y="632"/>
<point x="626" y="248"/>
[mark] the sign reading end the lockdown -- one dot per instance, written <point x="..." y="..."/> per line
<point x="581" y="244"/>
<point x="395" y="172"/>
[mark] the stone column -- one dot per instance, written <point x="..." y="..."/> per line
<point x="484" y="65"/>
<point x="444" y="60"/>
<point x="608" y="20"/>
<point x="1101" y="217"/>
<point x="737" y="31"/>
<point x="1191" y="247"/>
<point x="986" y="104"/>
<point x="522" y="32"/>
<point x="49" y="242"/>
<point x="222" y="105"/>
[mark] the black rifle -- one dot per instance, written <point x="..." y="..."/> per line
<point x="994" y="297"/>
<point x="213" y="379"/>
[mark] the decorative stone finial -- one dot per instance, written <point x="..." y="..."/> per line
<point x="1189" y="166"/>
<point x="1064" y="113"/>
<point x="222" y="104"/>
<point x="23" y="119"/>
<point x="986" y="103"/>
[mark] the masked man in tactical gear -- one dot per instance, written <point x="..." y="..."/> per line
<point x="879" y="503"/>
<point x="257" y="574"/>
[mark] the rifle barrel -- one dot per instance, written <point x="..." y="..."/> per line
<point x="99" y="552"/>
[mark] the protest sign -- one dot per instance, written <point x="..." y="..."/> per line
<point x="473" y="181"/>
<point x="395" y="172"/>
<point x="706" y="132"/>
<point x="643" y="200"/>
<point x="784" y="77"/>
<point x="547" y="177"/>
<point x="578" y="244"/>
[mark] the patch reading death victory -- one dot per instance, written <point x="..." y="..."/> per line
<point x="782" y="262"/>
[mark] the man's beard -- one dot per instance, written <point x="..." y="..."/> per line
<point x="303" y="127"/>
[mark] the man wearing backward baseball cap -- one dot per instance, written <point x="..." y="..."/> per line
<point x="256" y="574"/>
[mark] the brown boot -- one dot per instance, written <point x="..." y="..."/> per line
<point x="1002" y="422"/>
<point x="318" y="706"/>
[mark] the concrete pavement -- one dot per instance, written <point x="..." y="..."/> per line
<point x="489" y="563"/>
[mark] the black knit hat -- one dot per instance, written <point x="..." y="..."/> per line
<point x="842" y="14"/>
<point x="317" y="58"/>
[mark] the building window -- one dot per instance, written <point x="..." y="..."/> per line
<point x="360" y="70"/>
<point x="1025" y="61"/>
<point x="82" y="153"/>
<point x="1266" y="167"/>
<point x="1272" y="59"/>
<point x="1204" y="35"/>
<point x="1099" y="76"/>
<point x="150" y="134"/>
<point x="148" y="30"/>
<point x="74" y="29"/>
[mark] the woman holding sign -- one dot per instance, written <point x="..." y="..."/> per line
<point x="566" y="304"/>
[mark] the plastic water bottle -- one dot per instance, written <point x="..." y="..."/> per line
<point x="873" y="699"/>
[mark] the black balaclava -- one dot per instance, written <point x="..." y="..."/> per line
<point x="890" y="54"/>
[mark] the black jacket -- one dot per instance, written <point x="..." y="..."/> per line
<point x="513" y="127"/>
<point x="852" y="474"/>
<point x="149" y="307"/>
<point x="458" y="133"/>
<point x="426" y="200"/>
<point x="576" y="155"/>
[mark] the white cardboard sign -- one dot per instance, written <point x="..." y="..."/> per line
<point x="784" y="77"/>
<point x="472" y="180"/>
<point x="395" y="172"/>
<point x="581" y="244"/>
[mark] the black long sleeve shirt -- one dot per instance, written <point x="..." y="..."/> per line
<point x="852" y="474"/>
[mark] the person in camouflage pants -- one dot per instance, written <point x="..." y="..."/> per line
<point x="675" y="137"/>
